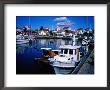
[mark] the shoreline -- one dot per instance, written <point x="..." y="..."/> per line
<point x="53" y="37"/>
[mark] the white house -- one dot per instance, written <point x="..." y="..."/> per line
<point x="42" y="33"/>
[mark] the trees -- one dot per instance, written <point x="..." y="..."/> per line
<point x="51" y="33"/>
<point x="67" y="31"/>
<point x="41" y="28"/>
<point x="25" y="30"/>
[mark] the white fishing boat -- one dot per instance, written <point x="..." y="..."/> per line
<point x="67" y="57"/>
<point x="21" y="40"/>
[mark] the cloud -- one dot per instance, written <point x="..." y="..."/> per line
<point x="61" y="19"/>
<point x="64" y="23"/>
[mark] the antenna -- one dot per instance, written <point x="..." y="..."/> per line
<point x="52" y="27"/>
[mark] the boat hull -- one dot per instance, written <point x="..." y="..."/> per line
<point x="62" y="64"/>
<point x="63" y="70"/>
<point x="62" y="67"/>
<point x="22" y="41"/>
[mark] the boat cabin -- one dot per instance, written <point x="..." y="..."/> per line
<point x="69" y="50"/>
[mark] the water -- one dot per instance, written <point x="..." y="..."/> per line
<point x="26" y="54"/>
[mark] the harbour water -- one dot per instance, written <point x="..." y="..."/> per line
<point x="26" y="54"/>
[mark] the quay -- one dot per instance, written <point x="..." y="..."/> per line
<point x="46" y="37"/>
<point x="86" y="65"/>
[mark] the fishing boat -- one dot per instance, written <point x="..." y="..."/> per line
<point x="68" y="56"/>
<point x="64" y="59"/>
<point x="21" y="40"/>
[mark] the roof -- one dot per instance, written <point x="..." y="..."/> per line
<point x="69" y="47"/>
<point x="56" y="50"/>
<point x="46" y="48"/>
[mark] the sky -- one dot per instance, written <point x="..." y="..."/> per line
<point x="53" y="21"/>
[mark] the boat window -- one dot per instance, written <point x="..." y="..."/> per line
<point x="71" y="51"/>
<point x="65" y="51"/>
<point x="56" y="52"/>
<point x="61" y="50"/>
<point x="75" y="51"/>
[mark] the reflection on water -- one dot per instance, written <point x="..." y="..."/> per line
<point x="21" y="48"/>
<point x="42" y="43"/>
<point x="26" y="54"/>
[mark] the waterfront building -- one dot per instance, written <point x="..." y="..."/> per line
<point x="42" y="33"/>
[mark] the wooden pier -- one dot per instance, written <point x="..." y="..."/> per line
<point x="83" y="60"/>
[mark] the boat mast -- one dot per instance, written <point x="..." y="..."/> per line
<point x="87" y="36"/>
<point x="52" y="27"/>
<point x="87" y="21"/>
<point x="30" y="28"/>
<point x="74" y="40"/>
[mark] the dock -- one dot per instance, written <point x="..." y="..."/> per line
<point x="86" y="64"/>
<point x="47" y="37"/>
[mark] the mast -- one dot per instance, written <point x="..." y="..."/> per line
<point x="30" y="28"/>
<point x="87" y="21"/>
<point x="52" y="27"/>
<point x="74" y="40"/>
<point x="29" y="20"/>
<point x="29" y="25"/>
